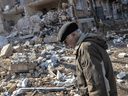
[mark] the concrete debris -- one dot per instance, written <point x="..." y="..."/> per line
<point x="17" y="92"/>
<point x="59" y="75"/>
<point x="22" y="62"/>
<point x="119" y="80"/>
<point x="121" y="75"/>
<point x="6" y="51"/>
<point x="24" y="83"/>
<point x="109" y="52"/>
<point x="49" y="47"/>
<point x="121" y="55"/>
<point x="45" y="64"/>
<point x="68" y="57"/>
<point x="37" y="59"/>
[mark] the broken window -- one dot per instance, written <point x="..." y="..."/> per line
<point x="79" y="5"/>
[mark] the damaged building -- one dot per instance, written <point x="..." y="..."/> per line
<point x="63" y="10"/>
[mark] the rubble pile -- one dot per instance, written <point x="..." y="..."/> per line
<point x="117" y="39"/>
<point x="43" y="24"/>
<point x="32" y="60"/>
<point x="35" y="65"/>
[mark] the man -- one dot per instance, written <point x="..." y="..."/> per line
<point x="93" y="66"/>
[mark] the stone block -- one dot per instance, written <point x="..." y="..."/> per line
<point x="38" y="40"/>
<point x="23" y="62"/>
<point x="6" y="51"/>
<point x="50" y="39"/>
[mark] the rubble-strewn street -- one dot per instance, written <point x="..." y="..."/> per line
<point x="34" y="63"/>
<point x="37" y="66"/>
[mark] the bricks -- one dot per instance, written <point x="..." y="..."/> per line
<point x="38" y="40"/>
<point x="6" y="51"/>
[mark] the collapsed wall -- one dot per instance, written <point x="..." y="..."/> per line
<point x="43" y="24"/>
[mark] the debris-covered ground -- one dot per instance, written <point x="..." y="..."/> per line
<point x="33" y="63"/>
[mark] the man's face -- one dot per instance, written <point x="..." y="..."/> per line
<point x="70" y="41"/>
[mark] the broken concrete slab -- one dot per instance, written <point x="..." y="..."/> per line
<point x="6" y="51"/>
<point x="22" y="62"/>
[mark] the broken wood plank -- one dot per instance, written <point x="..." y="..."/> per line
<point x="34" y="93"/>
